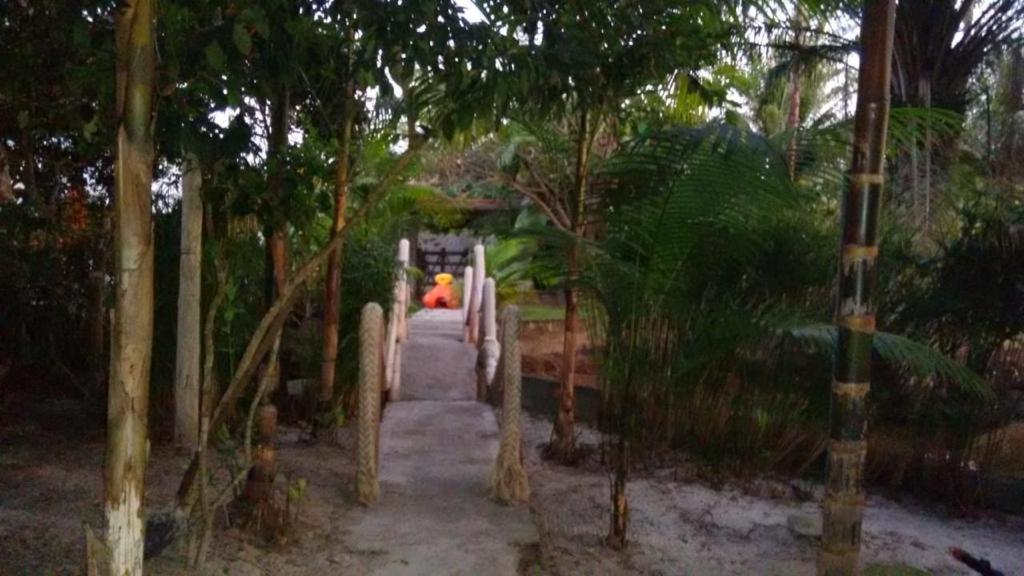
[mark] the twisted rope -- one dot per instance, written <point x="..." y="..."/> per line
<point x="371" y="328"/>
<point x="510" y="482"/>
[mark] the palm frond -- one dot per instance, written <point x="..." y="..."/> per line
<point x="922" y="360"/>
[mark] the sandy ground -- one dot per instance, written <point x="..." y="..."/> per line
<point x="51" y="482"/>
<point x="679" y="527"/>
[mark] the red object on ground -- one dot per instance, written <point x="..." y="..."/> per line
<point x="440" y="296"/>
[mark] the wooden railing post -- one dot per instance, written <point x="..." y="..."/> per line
<point x="396" y="325"/>
<point x="479" y="271"/>
<point x="488" y="349"/>
<point x="510" y="481"/>
<point x="401" y="310"/>
<point x="371" y="328"/>
<point x="403" y="281"/>
<point x="467" y="300"/>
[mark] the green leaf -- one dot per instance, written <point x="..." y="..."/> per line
<point x="90" y="128"/>
<point x="215" y="57"/>
<point x="243" y="41"/>
<point x="919" y="358"/>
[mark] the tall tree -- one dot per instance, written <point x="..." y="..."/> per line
<point x="353" y="65"/>
<point x="939" y="45"/>
<point x="574" y="65"/>
<point x="332" y="288"/>
<point x="795" y="72"/>
<point x="128" y="399"/>
<point x="187" y="349"/>
<point x="855" y="308"/>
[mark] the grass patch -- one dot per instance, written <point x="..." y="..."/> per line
<point x="541" y="312"/>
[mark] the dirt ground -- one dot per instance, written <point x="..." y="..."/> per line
<point x="680" y="526"/>
<point x="51" y="482"/>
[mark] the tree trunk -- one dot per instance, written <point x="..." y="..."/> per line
<point x="793" y="117"/>
<point x="1010" y="153"/>
<point x="6" y="183"/>
<point x="620" y="506"/>
<point x="262" y="339"/>
<point x="128" y="400"/>
<point x="264" y="468"/>
<point x="565" y="423"/>
<point x="186" y="366"/>
<point x="855" y="310"/>
<point x="332" y="290"/>
<point x="926" y="94"/>
<point x="29" y="152"/>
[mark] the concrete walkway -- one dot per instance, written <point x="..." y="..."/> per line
<point x="438" y="447"/>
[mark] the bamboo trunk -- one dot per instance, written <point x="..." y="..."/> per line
<point x="855" y="311"/>
<point x="128" y="398"/>
<point x="186" y="366"/>
<point x="332" y="289"/>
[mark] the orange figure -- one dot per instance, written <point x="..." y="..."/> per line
<point x="442" y="295"/>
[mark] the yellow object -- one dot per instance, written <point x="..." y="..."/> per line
<point x="442" y="295"/>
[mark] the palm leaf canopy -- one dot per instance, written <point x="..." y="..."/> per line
<point x="699" y="231"/>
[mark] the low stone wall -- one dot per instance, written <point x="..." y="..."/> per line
<point x="540" y="399"/>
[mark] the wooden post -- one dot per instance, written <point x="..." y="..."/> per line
<point x="488" y="350"/>
<point x="187" y="350"/>
<point x="403" y="293"/>
<point x="371" y="329"/>
<point x="479" y="271"/>
<point x="395" y="336"/>
<point x="510" y="482"/>
<point x="467" y="301"/>
<point x="855" y="310"/>
<point x="127" y="447"/>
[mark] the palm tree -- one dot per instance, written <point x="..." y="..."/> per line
<point x="939" y="45"/>
<point x="685" y="287"/>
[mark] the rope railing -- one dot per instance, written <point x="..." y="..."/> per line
<point x="371" y="333"/>
<point x="380" y="370"/>
<point x="509" y="482"/>
<point x="499" y="368"/>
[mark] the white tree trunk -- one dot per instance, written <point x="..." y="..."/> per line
<point x="127" y="448"/>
